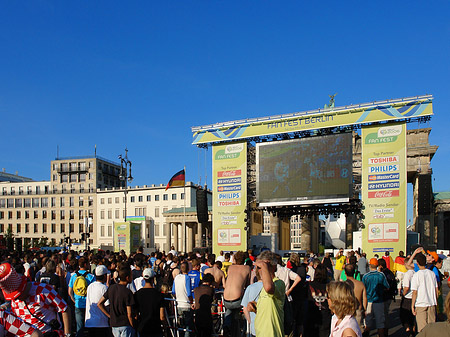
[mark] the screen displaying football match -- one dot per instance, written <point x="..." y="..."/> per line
<point x="304" y="171"/>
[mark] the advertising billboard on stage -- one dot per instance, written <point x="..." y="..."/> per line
<point x="304" y="171"/>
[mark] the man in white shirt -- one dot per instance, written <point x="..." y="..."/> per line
<point x="183" y="294"/>
<point x="96" y="321"/>
<point x="424" y="294"/>
<point x="406" y="316"/>
<point x="287" y="275"/>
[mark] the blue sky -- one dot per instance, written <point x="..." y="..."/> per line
<point x="141" y="74"/>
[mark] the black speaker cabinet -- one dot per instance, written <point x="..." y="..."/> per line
<point x="202" y="205"/>
<point x="424" y="200"/>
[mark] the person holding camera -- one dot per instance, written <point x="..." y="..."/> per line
<point x="37" y="304"/>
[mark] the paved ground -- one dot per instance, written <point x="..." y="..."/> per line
<point x="397" y="329"/>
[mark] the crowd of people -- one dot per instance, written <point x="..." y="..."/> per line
<point x="106" y="293"/>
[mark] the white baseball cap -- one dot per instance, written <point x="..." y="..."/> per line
<point x="101" y="270"/>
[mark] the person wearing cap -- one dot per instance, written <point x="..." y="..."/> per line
<point x="96" y="321"/>
<point x="37" y="304"/>
<point x="149" y="306"/>
<point x="375" y="283"/>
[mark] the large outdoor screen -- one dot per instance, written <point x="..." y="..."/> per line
<point x="313" y="170"/>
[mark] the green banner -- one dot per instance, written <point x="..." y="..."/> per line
<point x="384" y="188"/>
<point x="127" y="236"/>
<point x="354" y="115"/>
<point x="229" y="197"/>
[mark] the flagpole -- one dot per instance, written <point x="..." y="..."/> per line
<point x="184" y="215"/>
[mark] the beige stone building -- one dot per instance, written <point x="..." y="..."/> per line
<point x="58" y="208"/>
<point x="159" y="212"/>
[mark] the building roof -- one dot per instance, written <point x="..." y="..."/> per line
<point x="13" y="178"/>
<point x="441" y="195"/>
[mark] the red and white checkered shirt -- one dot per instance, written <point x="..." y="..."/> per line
<point x="14" y="326"/>
<point x="43" y="302"/>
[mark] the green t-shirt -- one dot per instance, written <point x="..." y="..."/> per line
<point x="357" y="276"/>
<point x="269" y="320"/>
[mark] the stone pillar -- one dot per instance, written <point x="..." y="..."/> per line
<point x="275" y="229"/>
<point x="169" y="236"/>
<point x="175" y="236"/>
<point x="198" y="236"/>
<point x="305" y="240"/>
<point x="183" y="237"/>
<point x="189" y="237"/>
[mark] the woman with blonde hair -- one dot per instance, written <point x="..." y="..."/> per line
<point x="342" y="302"/>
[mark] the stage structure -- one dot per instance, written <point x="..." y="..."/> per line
<point x="301" y="164"/>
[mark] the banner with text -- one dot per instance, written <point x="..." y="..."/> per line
<point x="384" y="189"/>
<point x="305" y="121"/>
<point x="229" y="197"/>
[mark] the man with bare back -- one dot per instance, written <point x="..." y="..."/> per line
<point x="215" y="270"/>
<point x="360" y="293"/>
<point x="238" y="278"/>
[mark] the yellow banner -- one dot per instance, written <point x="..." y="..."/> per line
<point x="319" y="120"/>
<point x="127" y="236"/>
<point x="384" y="188"/>
<point x="229" y="197"/>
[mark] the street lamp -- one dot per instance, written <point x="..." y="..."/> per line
<point x="125" y="164"/>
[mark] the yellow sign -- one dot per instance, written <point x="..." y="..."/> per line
<point x="384" y="191"/>
<point x="127" y="236"/>
<point x="229" y="197"/>
<point x="305" y="121"/>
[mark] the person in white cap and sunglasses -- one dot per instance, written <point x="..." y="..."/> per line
<point x="37" y="304"/>
<point x="96" y="322"/>
<point x="150" y="307"/>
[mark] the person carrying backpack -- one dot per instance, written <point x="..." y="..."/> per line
<point x="389" y="293"/>
<point x="167" y="277"/>
<point x="78" y="290"/>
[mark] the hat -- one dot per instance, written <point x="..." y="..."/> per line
<point x="373" y="261"/>
<point x="148" y="273"/>
<point x="11" y="283"/>
<point x="101" y="270"/>
<point x="434" y="255"/>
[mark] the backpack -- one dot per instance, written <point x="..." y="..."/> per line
<point x="392" y="291"/>
<point x="168" y="275"/>
<point x="80" y="285"/>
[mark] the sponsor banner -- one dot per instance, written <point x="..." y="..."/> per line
<point x="229" y="197"/>
<point x="382" y="177"/>
<point x="228" y="188"/>
<point x="127" y="236"/>
<point x="354" y="115"/>
<point x="384" y="188"/>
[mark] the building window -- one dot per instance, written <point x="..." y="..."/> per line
<point x="10" y="203"/>
<point x="53" y="215"/>
<point x="35" y="228"/>
<point x="35" y="202"/>
<point x="18" y="228"/>
<point x="62" y="214"/>
<point x="109" y="200"/>
<point x="13" y="190"/>
<point x="116" y="200"/>
<point x="4" y="191"/>
<point x="109" y="230"/>
<point x="62" y="202"/>
<point x="80" y="228"/>
<point x="102" y="231"/>
<point x="20" y="190"/>
<point x="109" y="213"/>
<point x="165" y="229"/>
<point x="18" y="214"/>
<point x="2" y="203"/>
<point x="64" y="178"/>
<point x="102" y="214"/>
<point x="27" y="214"/>
<point x="156" y="197"/>
<point x="71" y="228"/>
<point x="132" y="199"/>
<point x="91" y="201"/>
<point x="53" y="228"/>
<point x="71" y="202"/>
<point x="80" y="201"/>
<point x="182" y="196"/>
<point x="29" y="190"/>
<point x="27" y="202"/>
<point x="80" y="214"/>
<point x="63" y="188"/>
<point x="156" y="229"/>
<point x="2" y="228"/>
<point x="140" y="198"/>
<point x="156" y="212"/>
<point x="44" y="228"/>
<point x="81" y="188"/>
<point x="149" y="198"/>
<point x="174" y="196"/>
<point x="44" y="214"/>
<point x="44" y="202"/>
<point x="10" y="216"/>
<point x="2" y="215"/>
<point x="53" y="201"/>
<point x="73" y="178"/>
<point x="83" y="177"/>
<point x="62" y="228"/>
<point x="116" y="214"/>
<point x="102" y="201"/>
<point x="72" y="188"/>
<point x="165" y="197"/>
<point x="18" y="203"/>
<point x="27" y="228"/>
<point x="71" y="214"/>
